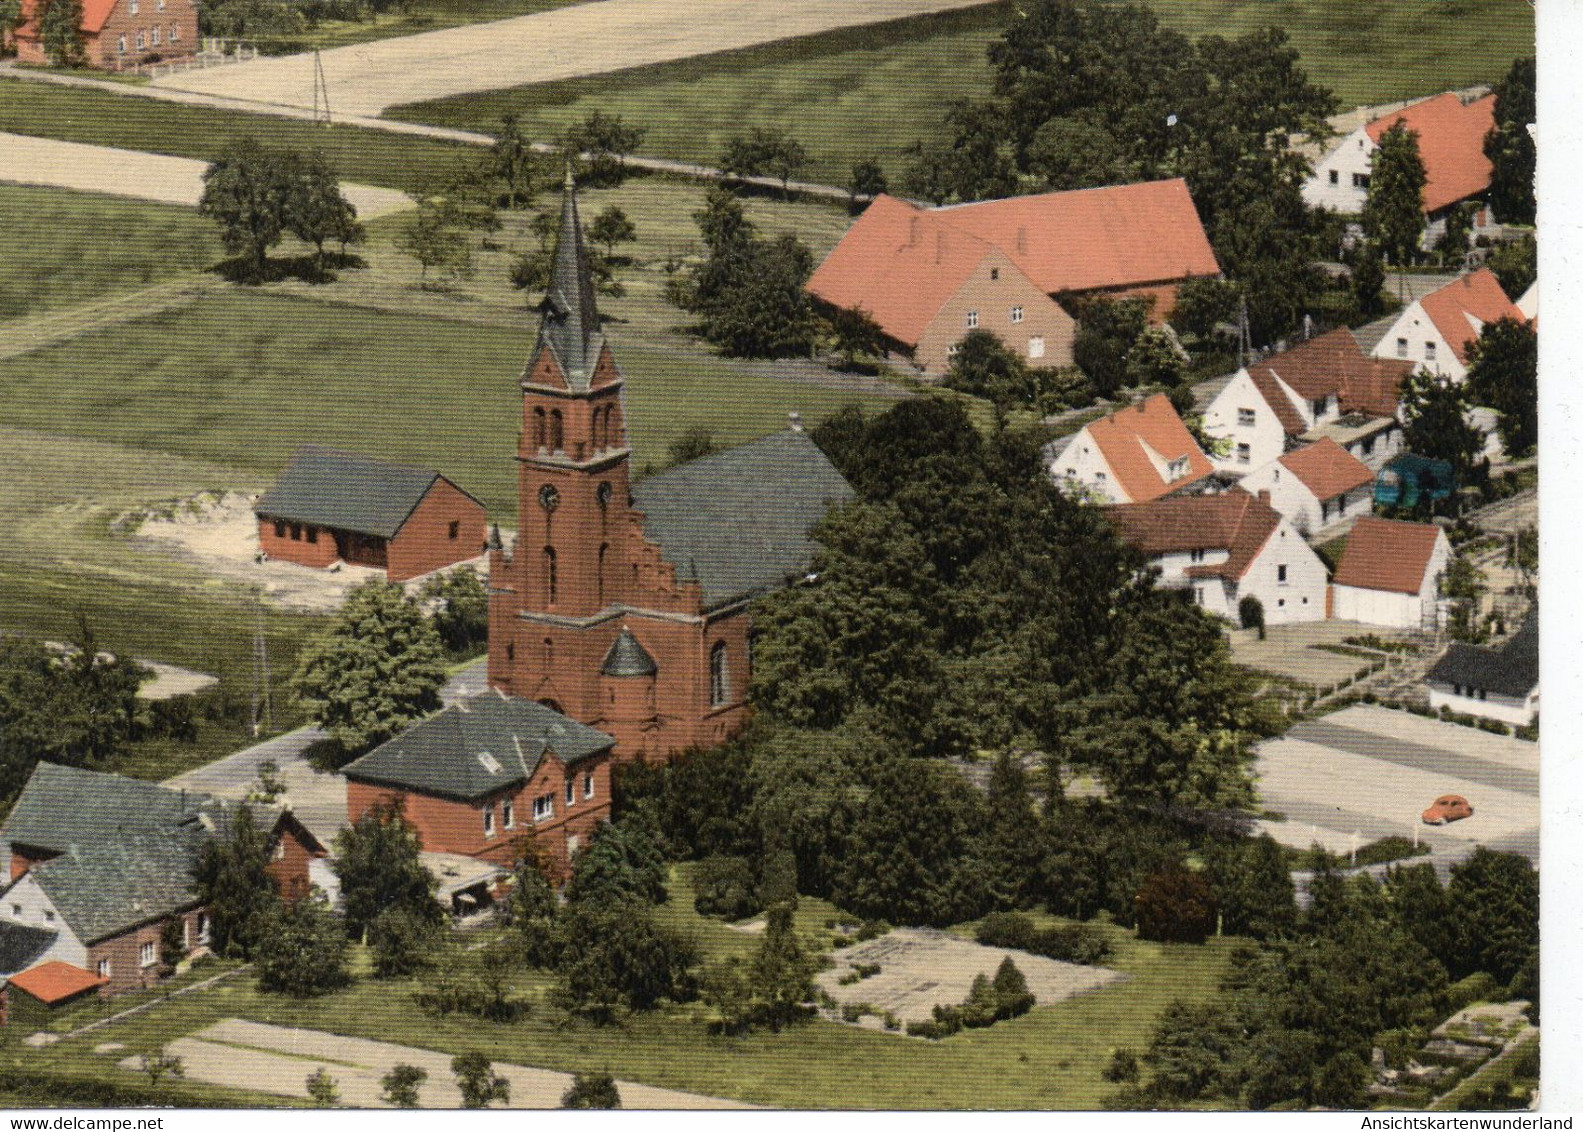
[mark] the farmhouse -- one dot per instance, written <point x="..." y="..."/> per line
<point x="928" y="276"/>
<point x="1434" y="332"/>
<point x="98" y="864"/>
<point x="1495" y="683"/>
<point x="626" y="607"/>
<point x="1389" y="574"/>
<point x="1326" y="388"/>
<point x="1316" y="486"/>
<point x="119" y="33"/>
<point x="330" y="506"/>
<point x="1224" y="548"/>
<point x="491" y="777"/>
<point x="1450" y="135"/>
<point x="1136" y="454"/>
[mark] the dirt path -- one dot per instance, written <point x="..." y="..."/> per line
<point x="144" y="176"/>
<point x="278" y="1059"/>
<point x="585" y="39"/>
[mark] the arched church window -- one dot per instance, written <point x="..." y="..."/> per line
<point x="602" y="495"/>
<point x="719" y="676"/>
<point x="539" y="434"/>
<point x="557" y="431"/>
<point x="549" y="574"/>
<point x="604" y="551"/>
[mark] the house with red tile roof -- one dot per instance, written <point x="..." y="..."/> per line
<point x="929" y="275"/>
<point x="1435" y="332"/>
<point x="1316" y="486"/>
<point x="1136" y="454"/>
<point x="117" y="34"/>
<point x="1223" y="548"/>
<point x="1389" y="574"/>
<point x="1326" y="388"/>
<point x="1450" y="135"/>
<point x="29" y="997"/>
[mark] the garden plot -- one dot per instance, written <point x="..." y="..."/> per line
<point x="921" y="969"/>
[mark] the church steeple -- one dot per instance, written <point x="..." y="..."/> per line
<point x="569" y="316"/>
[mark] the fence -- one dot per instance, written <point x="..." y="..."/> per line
<point x="213" y="54"/>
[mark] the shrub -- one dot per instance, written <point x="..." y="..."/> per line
<point x="1175" y="905"/>
<point x="725" y="887"/>
<point x="1123" y="1066"/>
<point x="1068" y="943"/>
<point x="592" y="1090"/>
<point x="1477" y="987"/>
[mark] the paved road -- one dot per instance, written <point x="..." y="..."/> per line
<point x="317" y="798"/>
<point x="584" y="39"/>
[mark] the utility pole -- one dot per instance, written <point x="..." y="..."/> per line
<point x="321" y="92"/>
<point x="262" y="710"/>
<point x="1244" y="335"/>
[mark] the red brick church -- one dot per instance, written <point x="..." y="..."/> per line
<point x="625" y="605"/>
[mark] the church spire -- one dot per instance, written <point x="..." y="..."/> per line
<point x="569" y="317"/>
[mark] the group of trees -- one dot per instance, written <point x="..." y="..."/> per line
<point x="258" y="194"/>
<point x="764" y="153"/>
<point x="1368" y="964"/>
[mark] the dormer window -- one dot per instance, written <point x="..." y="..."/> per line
<point x="1195" y="555"/>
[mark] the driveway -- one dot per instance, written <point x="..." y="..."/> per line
<point x="584" y="39"/>
<point x="1370" y="771"/>
<point x="142" y="176"/>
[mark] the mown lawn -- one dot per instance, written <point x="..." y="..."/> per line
<point x="80" y="246"/>
<point x="872" y="92"/>
<point x="1049" y="1058"/>
<point x="96" y="117"/>
<point x="244" y="379"/>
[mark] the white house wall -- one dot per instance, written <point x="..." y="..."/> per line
<point x="1352" y="156"/>
<point x="1081" y="462"/>
<point x="1506" y="709"/>
<point x="1265" y="437"/>
<point x="1302" y="596"/>
<point x="1414" y="337"/>
<point x="26" y="903"/>
<point x="1288" y="495"/>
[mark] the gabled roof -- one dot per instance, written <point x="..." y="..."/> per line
<point x="627" y="657"/>
<point x="1509" y="670"/>
<point x="94" y="15"/>
<point x="104" y="888"/>
<point x="1460" y="309"/>
<point x="56" y="981"/>
<point x="1087" y="239"/>
<point x="21" y="946"/>
<point x="569" y="316"/>
<point x="477" y="747"/>
<point x="1387" y="554"/>
<point x="738" y="521"/>
<point x="1326" y="469"/>
<point x="1332" y="364"/>
<point x="900" y="264"/>
<point x="1233" y="521"/>
<point x="348" y="492"/>
<point x="1451" y="143"/>
<point x="1121" y="438"/>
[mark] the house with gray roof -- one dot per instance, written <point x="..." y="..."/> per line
<point x="1494" y="682"/>
<point x="331" y="506"/>
<point x="99" y="863"/>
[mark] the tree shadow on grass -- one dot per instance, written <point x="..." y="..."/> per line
<point x="277" y="269"/>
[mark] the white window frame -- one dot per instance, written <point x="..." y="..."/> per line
<point x="588" y="785"/>
<point x="544" y="807"/>
<point x="972" y="320"/>
<point x="1036" y="346"/>
<point x="1244" y="453"/>
<point x="175" y="32"/>
<point x="120" y="44"/>
<point x="204" y="927"/>
<point x="508" y="814"/>
<point x="1016" y="314"/>
<point x="147" y="954"/>
<point x="1429" y="351"/>
<point x="131" y="7"/>
<point x="571" y="791"/>
<point x="489" y="820"/>
<point x="1280" y="575"/>
<point x="1196" y="556"/>
<point x="142" y="40"/>
<point x="1246" y="418"/>
<point x="153" y="41"/>
<point x="1401" y="347"/>
<point x="103" y="968"/>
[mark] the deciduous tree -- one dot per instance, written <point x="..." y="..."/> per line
<point x="592" y="1090"/>
<point x="1393" y="214"/>
<point x="378" y="864"/>
<point x="231" y="879"/>
<point x="1511" y="148"/>
<point x="1503" y="373"/>
<point x="60" y="32"/>
<point x="301" y="949"/>
<point x="251" y="192"/>
<point x="480" y="1085"/>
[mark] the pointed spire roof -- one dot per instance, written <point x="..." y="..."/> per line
<point x="628" y="658"/>
<point x="568" y="316"/>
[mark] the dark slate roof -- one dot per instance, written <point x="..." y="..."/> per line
<point x="21" y="946"/>
<point x="628" y="657"/>
<point x="737" y="521"/>
<point x="1512" y="669"/>
<point x="126" y="847"/>
<point x="569" y="316"/>
<point x="476" y="747"/>
<point x="346" y="491"/>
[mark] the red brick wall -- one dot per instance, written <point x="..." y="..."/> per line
<point x="124" y="952"/>
<point x="288" y="864"/>
<point x="182" y="15"/>
<point x="25" y="857"/>
<point x="320" y="552"/>
<point x="447" y="826"/>
<point x="424" y="543"/>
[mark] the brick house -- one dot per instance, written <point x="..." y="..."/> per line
<point x="1326" y="388"/>
<point x="1135" y="454"/>
<point x="1389" y="574"/>
<point x="117" y="34"/>
<point x="1224" y="548"/>
<point x="98" y="864"/>
<point x="330" y="506"/>
<point x="605" y="573"/>
<point x="927" y="276"/>
<point x="489" y="777"/>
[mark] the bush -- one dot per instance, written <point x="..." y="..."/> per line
<point x="1068" y="943"/>
<point x="1123" y="1066"/>
<point x="592" y="1090"/>
<point x="989" y="1001"/>
<point x="1175" y="905"/>
<point x="1477" y="987"/>
<point x="725" y="887"/>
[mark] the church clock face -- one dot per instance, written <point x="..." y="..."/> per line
<point x="549" y="498"/>
<point x="602" y="493"/>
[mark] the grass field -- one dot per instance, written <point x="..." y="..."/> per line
<point x="96" y="117"/>
<point x="846" y="95"/>
<point x="425" y="15"/>
<point x="1049" y="1058"/>
<point x="82" y="245"/>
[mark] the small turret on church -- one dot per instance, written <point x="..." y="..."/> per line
<point x="626" y="607"/>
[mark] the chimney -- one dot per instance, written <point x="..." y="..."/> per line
<point x="1264" y="496"/>
<point x="794" y="419"/>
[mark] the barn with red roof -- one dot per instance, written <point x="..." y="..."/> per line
<point x="118" y="34"/>
<point x="928" y="276"/>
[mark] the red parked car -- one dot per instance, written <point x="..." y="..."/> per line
<point x="1447" y="808"/>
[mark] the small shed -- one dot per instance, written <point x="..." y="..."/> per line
<point x="331" y="506"/>
<point x="1389" y="574"/>
<point x="37" y="992"/>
